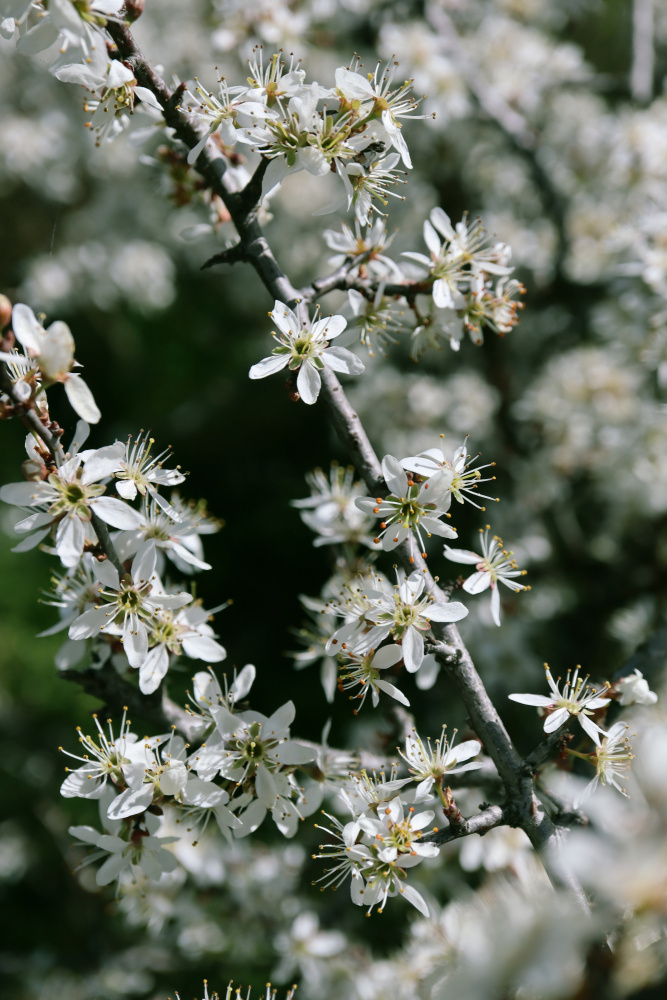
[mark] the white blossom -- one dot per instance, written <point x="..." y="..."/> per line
<point x="53" y="353"/>
<point x="409" y="507"/>
<point x="494" y="566"/>
<point x="305" y="347"/>
<point x="66" y="501"/>
<point x="611" y="759"/>
<point x="577" y="699"/>
<point x="140" y="472"/>
<point x="224" y="114"/>
<point x="330" y="511"/>
<point x="362" y="670"/>
<point x="128" y="607"/>
<point x="429" y="764"/>
<point x="406" y="615"/>
<point x="634" y="690"/>
<point x="462" y="476"/>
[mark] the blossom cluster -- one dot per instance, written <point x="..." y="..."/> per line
<point x="386" y="835"/>
<point x="347" y="129"/>
<point x="135" y="780"/>
<point x="385" y="626"/>
<point x="121" y="613"/>
<point x="83" y="57"/>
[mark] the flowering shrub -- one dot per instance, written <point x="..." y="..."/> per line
<point x="207" y="798"/>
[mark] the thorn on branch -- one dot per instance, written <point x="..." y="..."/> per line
<point x="232" y="255"/>
<point x="251" y="195"/>
<point x="175" y="99"/>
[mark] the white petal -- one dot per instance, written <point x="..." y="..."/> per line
<point x="393" y="692"/>
<point x="251" y="819"/>
<point x="410" y="893"/>
<point x="282" y="718"/>
<point x="388" y="656"/>
<point x="203" y="647"/>
<point x="265" y="787"/>
<point x="90" y="622"/>
<point x="70" y="538"/>
<point x="285" y="319"/>
<point x="153" y="669"/>
<point x="342" y="360"/>
<point x="454" y="611"/>
<point x="143" y="564"/>
<point x="80" y="784"/>
<point x="147" y="96"/>
<point x="294" y="753"/>
<point x="590" y="727"/>
<point x="328" y="327"/>
<point x="536" y="700"/>
<point x="101" y="462"/>
<point x="308" y="383"/>
<point x="464" y="751"/>
<point x="188" y="557"/>
<point x="556" y="720"/>
<point x="135" y="640"/>
<point x="413" y="649"/>
<point x="431" y="239"/>
<point x="41" y="37"/>
<point x="461" y="555"/>
<point x="131" y="802"/>
<point x="27" y="328"/>
<point x="25" y="494"/>
<point x="268" y="366"/>
<point x="111" y="869"/>
<point x="81" y="399"/>
<point x="243" y="682"/>
<point x="174" y="778"/>
<point x="196" y="150"/>
<point x="116" y="513"/>
<point x="495" y="603"/>
<point x="57" y="352"/>
<point x="478" y="582"/>
<point x="394" y="475"/>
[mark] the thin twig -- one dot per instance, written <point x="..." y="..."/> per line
<point x="480" y="823"/>
<point x="643" y="51"/>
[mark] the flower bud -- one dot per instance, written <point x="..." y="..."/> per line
<point x="34" y="471"/>
<point x="5" y="311"/>
<point x="134" y="9"/>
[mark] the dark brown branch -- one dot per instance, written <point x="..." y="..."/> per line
<point x="552" y="744"/>
<point x="480" y="823"/>
<point x="113" y="690"/>
<point x="232" y="255"/>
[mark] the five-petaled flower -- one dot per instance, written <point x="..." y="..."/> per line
<point x="429" y="764"/>
<point x="494" y="566"/>
<point x="576" y="699"/>
<point x="410" y="507"/>
<point x="304" y="347"/>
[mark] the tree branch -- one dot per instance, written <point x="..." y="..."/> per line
<point x="526" y="811"/>
<point x="643" y="53"/>
<point x="480" y="823"/>
<point x="545" y="749"/>
<point x="114" y="690"/>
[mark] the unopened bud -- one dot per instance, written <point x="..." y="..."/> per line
<point x="134" y="9"/>
<point x="34" y="471"/>
<point x="5" y="311"/>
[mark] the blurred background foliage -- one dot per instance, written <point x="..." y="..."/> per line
<point x="567" y="405"/>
